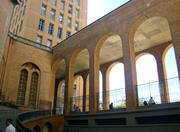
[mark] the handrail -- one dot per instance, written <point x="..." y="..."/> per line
<point x="31" y="115"/>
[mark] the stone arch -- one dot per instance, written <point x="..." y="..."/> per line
<point x="149" y="32"/>
<point x="73" y="62"/>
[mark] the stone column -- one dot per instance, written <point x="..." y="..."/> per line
<point x="105" y="75"/>
<point x="175" y="33"/>
<point x="69" y="79"/>
<point x="130" y="74"/>
<point x="84" y="76"/>
<point x="164" y="92"/>
<point x="93" y="81"/>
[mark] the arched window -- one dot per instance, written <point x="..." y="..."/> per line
<point x="22" y="87"/>
<point x="33" y="89"/>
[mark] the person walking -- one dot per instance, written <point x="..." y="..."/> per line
<point x="9" y="126"/>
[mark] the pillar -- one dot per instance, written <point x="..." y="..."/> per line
<point x="105" y="74"/>
<point x="130" y="73"/>
<point x="84" y="76"/>
<point x="164" y="92"/>
<point x="175" y="33"/>
<point x="93" y="81"/>
<point x="69" y="79"/>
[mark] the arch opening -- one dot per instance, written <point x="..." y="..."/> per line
<point x="147" y="79"/>
<point x="117" y="93"/>
<point x="172" y="75"/>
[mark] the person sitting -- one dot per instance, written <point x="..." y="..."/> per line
<point x="111" y="106"/>
<point x="151" y="101"/>
<point x="145" y="103"/>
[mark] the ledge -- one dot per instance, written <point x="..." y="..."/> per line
<point x="30" y="42"/>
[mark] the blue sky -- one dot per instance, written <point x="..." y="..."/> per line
<point x="99" y="8"/>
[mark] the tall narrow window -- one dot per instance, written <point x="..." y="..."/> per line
<point x="61" y="18"/>
<point x="76" y="26"/>
<point x="41" y="25"/>
<point x="54" y="2"/>
<point x="68" y="34"/>
<point x="43" y="10"/>
<point x="77" y="13"/>
<point x="69" y="22"/>
<point x="39" y="39"/>
<point x="78" y="2"/>
<point x="33" y="89"/>
<point x="21" y="25"/>
<point x="22" y="87"/>
<point x="49" y="43"/>
<point x="52" y="14"/>
<point x="62" y="5"/>
<point x="50" y="30"/>
<point x="70" y="9"/>
<point x="59" y="32"/>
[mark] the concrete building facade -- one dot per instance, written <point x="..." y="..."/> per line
<point x="134" y="29"/>
<point x="49" y="21"/>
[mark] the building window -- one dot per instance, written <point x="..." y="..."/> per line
<point x="50" y="30"/>
<point x="52" y="14"/>
<point x="21" y="25"/>
<point x="68" y="34"/>
<point x="76" y="26"/>
<point x="43" y="10"/>
<point x="49" y="43"/>
<point x="70" y="9"/>
<point x="41" y="25"/>
<point x="62" y="5"/>
<point x="75" y="90"/>
<point x="78" y="2"/>
<point x="61" y="18"/>
<point x="22" y="87"/>
<point x="59" y="33"/>
<point x="54" y="2"/>
<point x="33" y="89"/>
<point x="77" y="13"/>
<point x="39" y="39"/>
<point x="69" y="22"/>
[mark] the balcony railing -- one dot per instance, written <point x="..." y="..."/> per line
<point x="144" y="93"/>
<point x="156" y="89"/>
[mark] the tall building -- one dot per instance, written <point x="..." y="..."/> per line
<point x="48" y="21"/>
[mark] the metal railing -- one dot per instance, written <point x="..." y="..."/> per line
<point x="157" y="89"/>
<point x="33" y="115"/>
